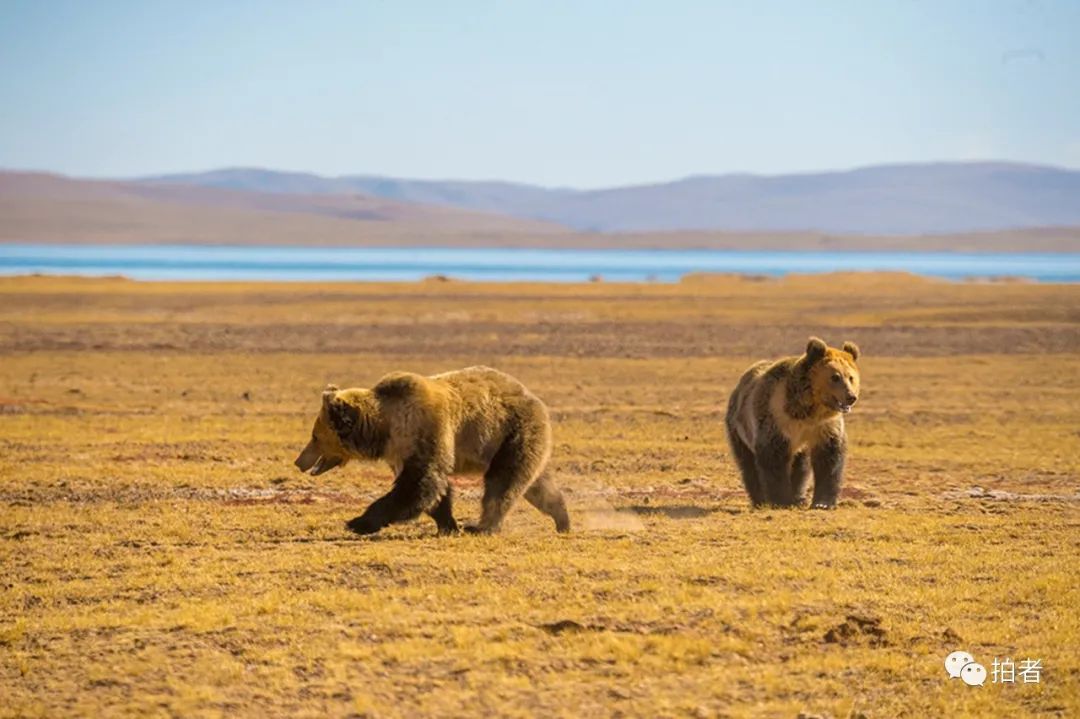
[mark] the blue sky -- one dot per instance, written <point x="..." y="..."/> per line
<point x="582" y="94"/>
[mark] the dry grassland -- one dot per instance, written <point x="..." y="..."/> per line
<point x="161" y="556"/>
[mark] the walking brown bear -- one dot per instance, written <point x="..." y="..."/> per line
<point x="426" y="428"/>
<point x="785" y="418"/>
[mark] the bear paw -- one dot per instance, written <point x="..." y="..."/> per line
<point x="449" y="530"/>
<point x="823" y="505"/>
<point x="362" y="525"/>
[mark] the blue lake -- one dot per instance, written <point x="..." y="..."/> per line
<point x="193" y="262"/>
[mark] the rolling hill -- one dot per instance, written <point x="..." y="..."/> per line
<point x="43" y="208"/>
<point x="37" y="207"/>
<point x="882" y="200"/>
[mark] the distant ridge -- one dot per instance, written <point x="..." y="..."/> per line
<point x="40" y="207"/>
<point x="881" y="200"/>
<point x="43" y="208"/>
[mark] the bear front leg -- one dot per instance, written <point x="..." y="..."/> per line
<point x="375" y="517"/>
<point x="417" y="489"/>
<point x="828" y="461"/>
<point x="443" y="514"/>
<point x="800" y="476"/>
<point x="772" y="457"/>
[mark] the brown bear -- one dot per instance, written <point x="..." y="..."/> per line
<point x="786" y="417"/>
<point x="426" y="428"/>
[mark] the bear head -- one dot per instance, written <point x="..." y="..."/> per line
<point x="329" y="445"/>
<point x="834" y="376"/>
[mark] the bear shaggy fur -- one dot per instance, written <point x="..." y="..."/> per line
<point x="785" y="418"/>
<point x="426" y="428"/>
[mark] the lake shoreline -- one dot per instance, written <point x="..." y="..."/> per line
<point x="240" y="263"/>
<point x="284" y="229"/>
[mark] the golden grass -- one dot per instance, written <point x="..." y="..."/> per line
<point x="162" y="557"/>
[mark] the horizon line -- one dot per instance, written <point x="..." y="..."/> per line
<point x="163" y="176"/>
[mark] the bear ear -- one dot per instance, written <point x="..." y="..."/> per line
<point x="852" y="349"/>
<point x="815" y="349"/>
<point x="329" y="395"/>
<point x="341" y="415"/>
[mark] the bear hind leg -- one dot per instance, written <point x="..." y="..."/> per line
<point x="513" y="468"/>
<point x="744" y="457"/>
<point x="545" y="496"/>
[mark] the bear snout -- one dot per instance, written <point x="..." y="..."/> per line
<point x="308" y="457"/>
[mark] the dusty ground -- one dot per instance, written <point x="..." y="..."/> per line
<point x="161" y="556"/>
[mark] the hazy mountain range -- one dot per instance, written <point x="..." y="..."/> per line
<point x="38" y="207"/>
<point x="887" y="199"/>
<point x="969" y="206"/>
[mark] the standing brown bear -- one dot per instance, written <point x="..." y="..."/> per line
<point x="786" y="417"/>
<point x="426" y="428"/>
